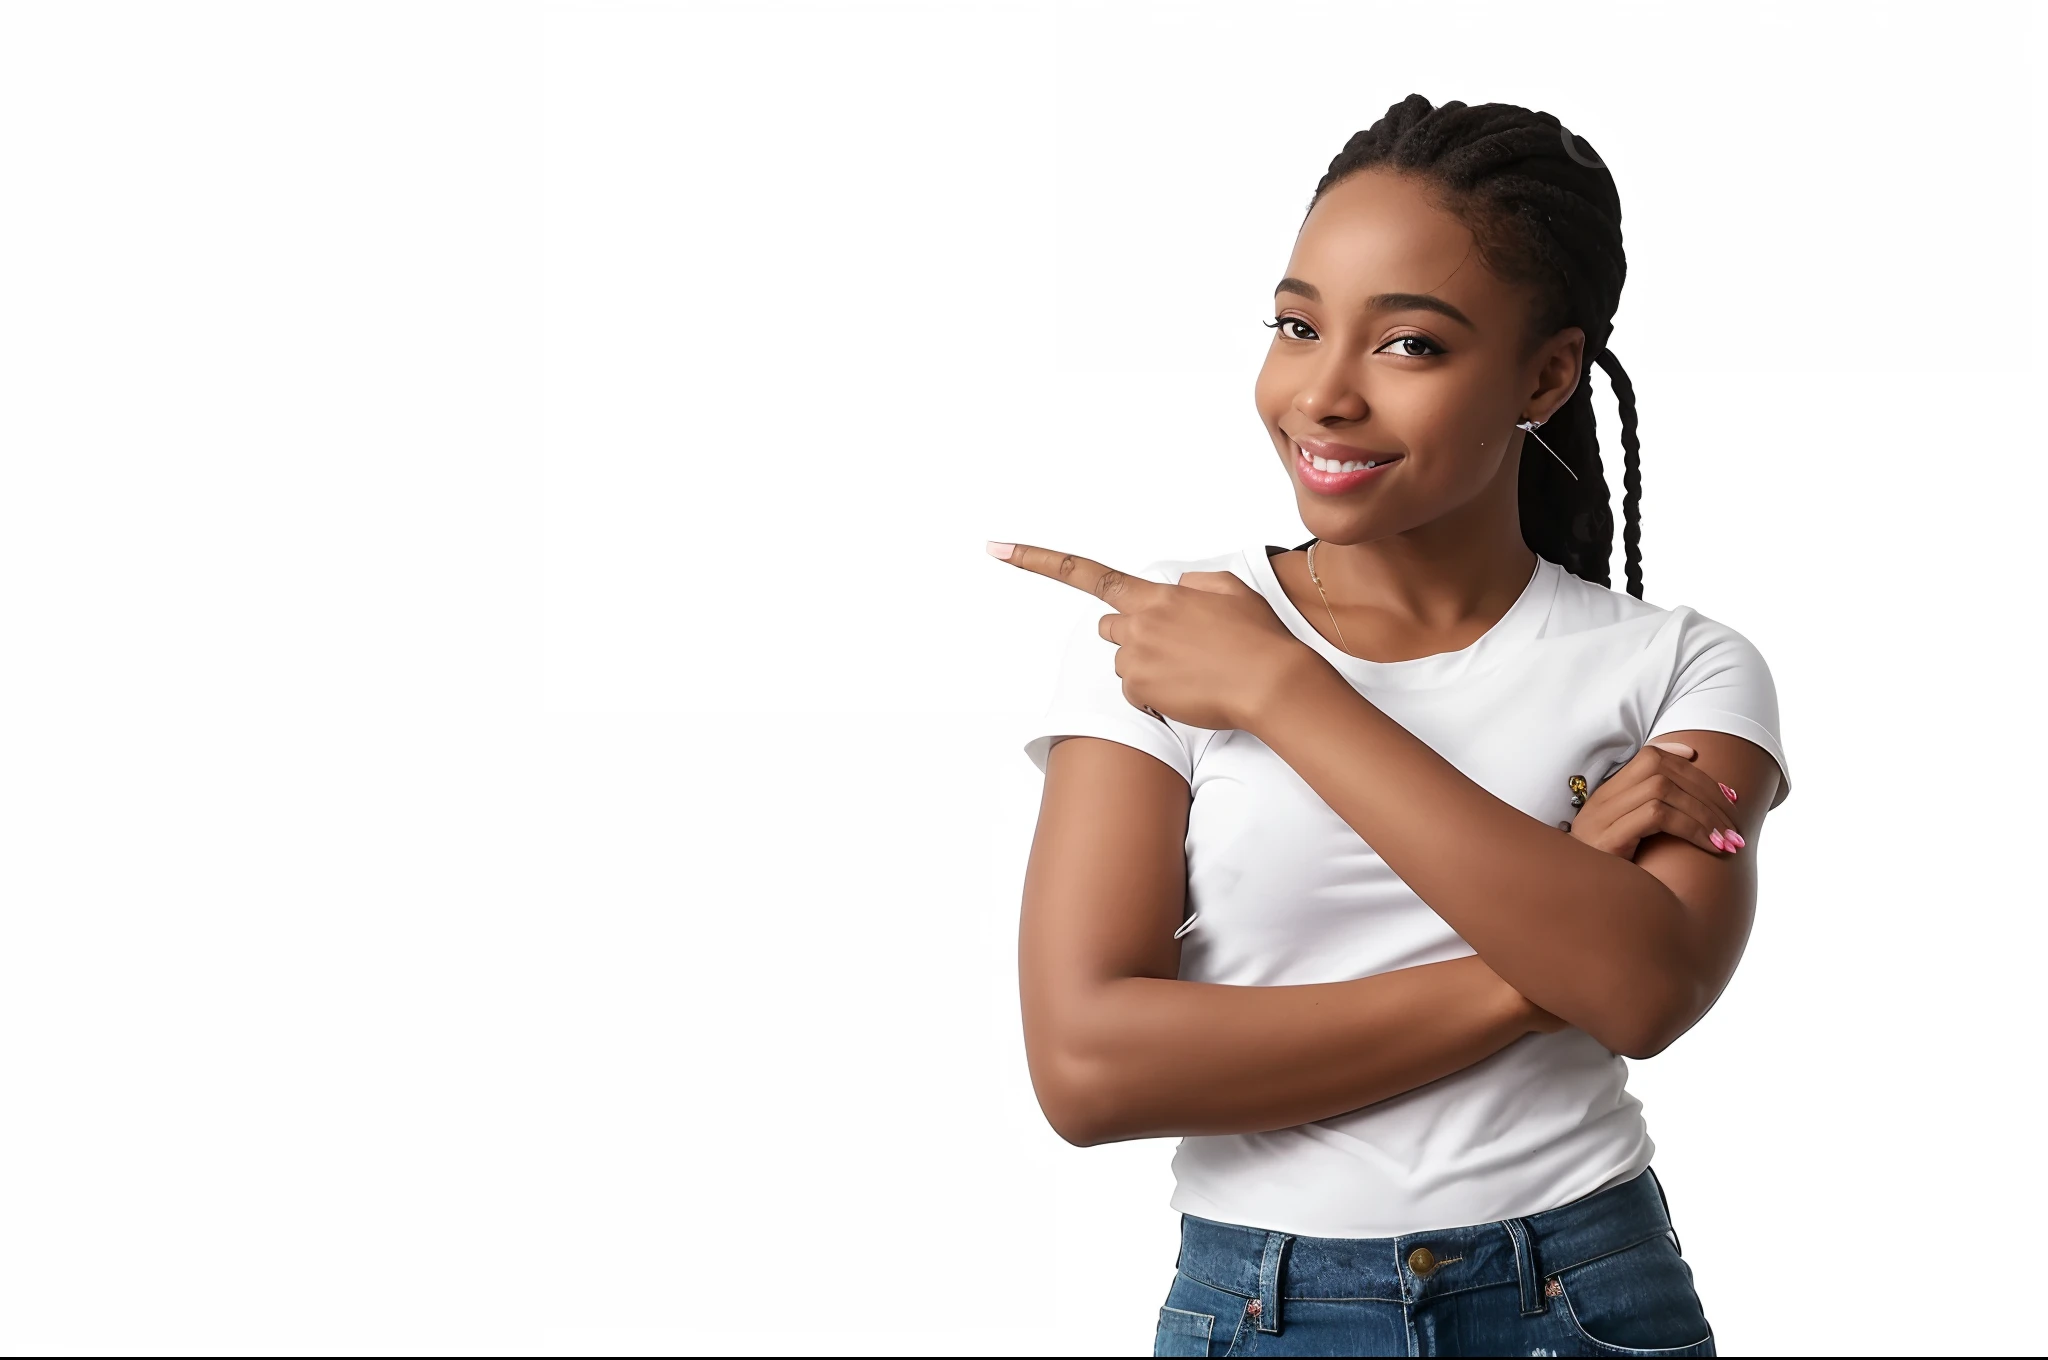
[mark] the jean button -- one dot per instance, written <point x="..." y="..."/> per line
<point x="1423" y="1262"/>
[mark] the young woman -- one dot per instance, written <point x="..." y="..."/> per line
<point x="1361" y="867"/>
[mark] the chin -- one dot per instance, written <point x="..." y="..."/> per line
<point x="1338" y="529"/>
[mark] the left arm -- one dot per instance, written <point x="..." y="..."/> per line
<point x="1632" y="952"/>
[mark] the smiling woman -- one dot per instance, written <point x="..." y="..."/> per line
<point x="1369" y="917"/>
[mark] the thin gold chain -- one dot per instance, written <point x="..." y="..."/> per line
<point x="1326" y="599"/>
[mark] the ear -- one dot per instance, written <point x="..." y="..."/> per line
<point x="1215" y="582"/>
<point x="1560" y="368"/>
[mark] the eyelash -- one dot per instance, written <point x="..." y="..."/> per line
<point x="1434" y="348"/>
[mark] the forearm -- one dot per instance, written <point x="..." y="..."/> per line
<point x="1585" y="935"/>
<point x="1141" y="1057"/>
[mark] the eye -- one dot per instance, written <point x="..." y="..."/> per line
<point x="1432" y="347"/>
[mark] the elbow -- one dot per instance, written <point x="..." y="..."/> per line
<point x="1075" y="1100"/>
<point x="1640" y="1043"/>
<point x="1630" y="1036"/>
<point x="1080" y="1132"/>
<point x="1636" y="1003"/>
<point x="1077" y="1091"/>
<point x="1651" y="1023"/>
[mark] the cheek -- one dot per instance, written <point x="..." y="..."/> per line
<point x="1444" y="432"/>
<point x="1270" y="396"/>
<point x="1456" y="427"/>
<point x="1439" y="417"/>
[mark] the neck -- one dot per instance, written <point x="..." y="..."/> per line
<point x="1471" y="563"/>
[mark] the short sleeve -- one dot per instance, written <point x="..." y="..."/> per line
<point x="1088" y="698"/>
<point x="1720" y="683"/>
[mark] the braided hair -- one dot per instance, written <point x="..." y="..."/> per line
<point x="1544" y="212"/>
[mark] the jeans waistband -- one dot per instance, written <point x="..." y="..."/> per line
<point x="1273" y="1267"/>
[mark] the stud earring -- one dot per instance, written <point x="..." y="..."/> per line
<point x="1530" y="426"/>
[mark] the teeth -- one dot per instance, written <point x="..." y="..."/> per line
<point x="1332" y="465"/>
<point x="1322" y="464"/>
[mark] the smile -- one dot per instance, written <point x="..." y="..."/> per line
<point x="1326" y="469"/>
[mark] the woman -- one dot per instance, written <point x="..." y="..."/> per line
<point x="1362" y="866"/>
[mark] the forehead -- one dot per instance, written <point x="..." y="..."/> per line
<point x="1382" y="232"/>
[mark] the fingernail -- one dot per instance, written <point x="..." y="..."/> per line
<point x="1002" y="550"/>
<point x="1736" y="836"/>
<point x="1727" y="793"/>
<point x="1714" y="838"/>
<point x="1677" y="748"/>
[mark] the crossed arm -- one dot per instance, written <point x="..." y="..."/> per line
<point x="1633" y="950"/>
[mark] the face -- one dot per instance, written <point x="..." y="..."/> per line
<point x="1398" y="346"/>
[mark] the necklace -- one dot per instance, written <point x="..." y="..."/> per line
<point x="1326" y="599"/>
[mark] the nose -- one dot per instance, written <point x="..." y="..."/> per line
<point x="1331" y="390"/>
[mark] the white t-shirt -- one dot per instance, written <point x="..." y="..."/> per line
<point x="1573" y="679"/>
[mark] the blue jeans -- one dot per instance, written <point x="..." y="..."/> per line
<point x="1599" y="1276"/>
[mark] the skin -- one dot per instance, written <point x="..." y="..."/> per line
<point x="1627" y="927"/>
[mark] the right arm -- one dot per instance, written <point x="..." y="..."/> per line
<point x="1119" y="1047"/>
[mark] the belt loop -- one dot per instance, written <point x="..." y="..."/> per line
<point x="1530" y="1278"/>
<point x="1669" y="1225"/>
<point x="1269" y="1281"/>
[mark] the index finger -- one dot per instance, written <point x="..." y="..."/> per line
<point x="1118" y="589"/>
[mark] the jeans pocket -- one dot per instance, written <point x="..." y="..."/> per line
<point x="1639" y="1301"/>
<point x="1181" y="1332"/>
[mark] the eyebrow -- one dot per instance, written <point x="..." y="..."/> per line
<point x="1383" y="302"/>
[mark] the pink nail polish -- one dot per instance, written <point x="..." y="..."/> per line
<point x="1714" y="839"/>
<point x="1728" y="793"/>
<point x="1002" y="550"/>
<point x="1736" y="837"/>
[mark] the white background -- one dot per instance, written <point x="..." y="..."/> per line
<point x="514" y="810"/>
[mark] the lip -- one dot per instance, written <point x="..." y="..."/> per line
<point x="1336" y="483"/>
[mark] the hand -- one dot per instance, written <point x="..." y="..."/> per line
<point x="1660" y="791"/>
<point x="1209" y="652"/>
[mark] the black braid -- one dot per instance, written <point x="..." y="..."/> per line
<point x="1631" y="471"/>
<point x="1543" y="212"/>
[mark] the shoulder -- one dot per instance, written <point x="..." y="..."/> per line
<point x="1684" y="671"/>
<point x="1678" y="633"/>
<point x="1583" y="605"/>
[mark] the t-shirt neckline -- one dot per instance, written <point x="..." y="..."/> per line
<point x="1522" y="622"/>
